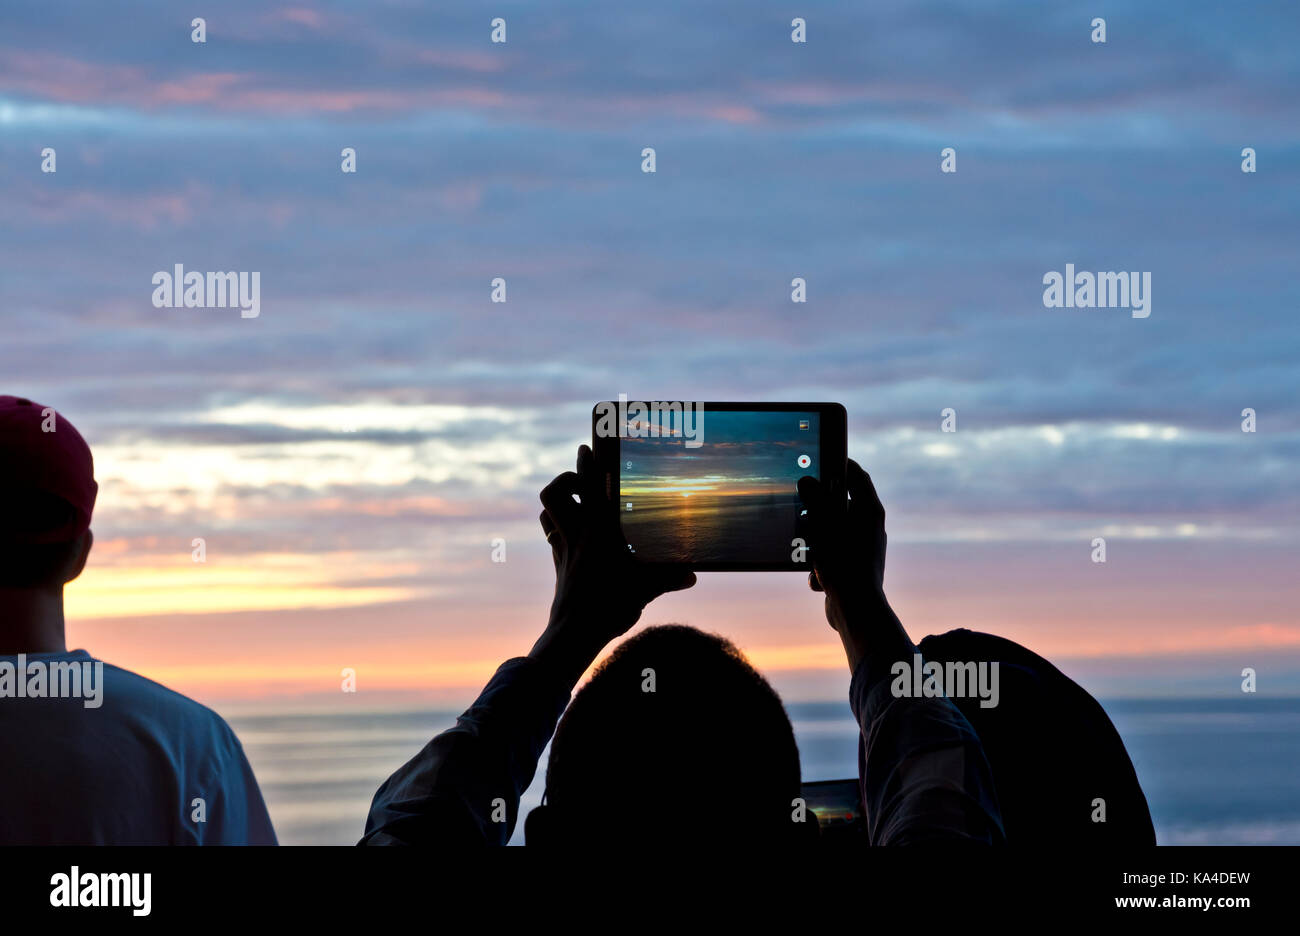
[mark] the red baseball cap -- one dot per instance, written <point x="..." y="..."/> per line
<point x="40" y="451"/>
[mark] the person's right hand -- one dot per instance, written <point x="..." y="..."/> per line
<point x="600" y="588"/>
<point x="846" y="540"/>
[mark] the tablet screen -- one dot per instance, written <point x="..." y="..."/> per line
<point x="721" y="492"/>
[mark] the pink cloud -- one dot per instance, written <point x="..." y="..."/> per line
<point x="738" y="115"/>
<point x="60" y="78"/>
<point x="64" y="79"/>
<point x="196" y="89"/>
<point x="303" y="16"/>
<point x="480" y="62"/>
<point x="462" y="196"/>
<point x="68" y="80"/>
<point x="144" y="211"/>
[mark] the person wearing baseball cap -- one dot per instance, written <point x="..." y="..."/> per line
<point x="94" y="754"/>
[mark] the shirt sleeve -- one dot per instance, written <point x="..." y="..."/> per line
<point x="922" y="771"/>
<point x="237" y="814"/>
<point x="463" y="788"/>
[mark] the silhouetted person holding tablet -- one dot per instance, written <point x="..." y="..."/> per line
<point x="1063" y="776"/>
<point x="709" y="754"/>
<point x="92" y="754"/>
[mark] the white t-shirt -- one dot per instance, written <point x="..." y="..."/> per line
<point x="93" y="754"/>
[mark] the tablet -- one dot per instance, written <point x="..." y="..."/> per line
<point x="713" y="485"/>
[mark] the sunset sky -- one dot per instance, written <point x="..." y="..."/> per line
<point x="350" y="454"/>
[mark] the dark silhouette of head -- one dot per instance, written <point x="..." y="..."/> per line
<point x="47" y="496"/>
<point x="676" y="738"/>
<point x="26" y="561"/>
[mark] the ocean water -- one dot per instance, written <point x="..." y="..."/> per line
<point x="1215" y="771"/>
<point x="710" y="528"/>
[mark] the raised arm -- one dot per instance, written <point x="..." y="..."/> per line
<point x="922" y="770"/>
<point x="463" y="789"/>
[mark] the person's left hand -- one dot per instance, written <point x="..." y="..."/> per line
<point x="600" y="588"/>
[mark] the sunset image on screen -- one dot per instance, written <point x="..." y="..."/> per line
<point x="731" y="499"/>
